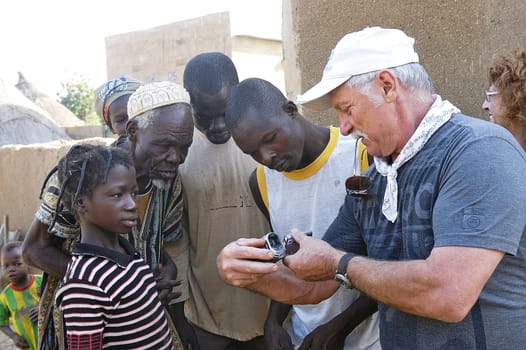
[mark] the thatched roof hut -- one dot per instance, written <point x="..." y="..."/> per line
<point x="22" y="122"/>
<point x="58" y="112"/>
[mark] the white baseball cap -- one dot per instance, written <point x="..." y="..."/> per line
<point x="368" y="50"/>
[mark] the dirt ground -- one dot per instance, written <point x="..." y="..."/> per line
<point x="6" y="343"/>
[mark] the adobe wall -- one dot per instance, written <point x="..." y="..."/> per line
<point x="23" y="168"/>
<point x="260" y="58"/>
<point x="455" y="40"/>
<point x="88" y="131"/>
<point x="160" y="53"/>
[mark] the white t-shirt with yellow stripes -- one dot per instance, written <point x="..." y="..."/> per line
<point x="309" y="199"/>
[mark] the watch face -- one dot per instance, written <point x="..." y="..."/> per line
<point x="344" y="280"/>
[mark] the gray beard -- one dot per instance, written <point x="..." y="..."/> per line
<point x="161" y="184"/>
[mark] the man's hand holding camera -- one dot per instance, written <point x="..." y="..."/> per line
<point x="244" y="262"/>
<point x="316" y="260"/>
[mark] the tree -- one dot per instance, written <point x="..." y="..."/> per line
<point x="78" y="97"/>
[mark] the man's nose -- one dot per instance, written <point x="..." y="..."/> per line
<point x="218" y="124"/>
<point x="266" y="156"/>
<point x="173" y="155"/>
<point x="346" y="125"/>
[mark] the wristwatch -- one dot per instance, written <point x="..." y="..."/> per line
<point x="341" y="273"/>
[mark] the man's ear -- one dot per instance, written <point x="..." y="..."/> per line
<point x="290" y="108"/>
<point x="389" y="84"/>
<point x="131" y="130"/>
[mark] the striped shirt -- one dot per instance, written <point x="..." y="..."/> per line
<point x="160" y="221"/>
<point x="16" y="303"/>
<point x="109" y="300"/>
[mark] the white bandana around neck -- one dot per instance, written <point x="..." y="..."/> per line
<point x="438" y="114"/>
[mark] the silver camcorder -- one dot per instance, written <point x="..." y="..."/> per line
<point x="281" y="248"/>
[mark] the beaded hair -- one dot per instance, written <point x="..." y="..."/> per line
<point x="82" y="169"/>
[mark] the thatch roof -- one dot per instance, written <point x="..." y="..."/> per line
<point x="58" y="112"/>
<point x="22" y="125"/>
<point x="22" y="122"/>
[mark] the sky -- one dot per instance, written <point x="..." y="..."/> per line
<point x="56" y="40"/>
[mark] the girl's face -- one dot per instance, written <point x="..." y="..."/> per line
<point x="112" y="207"/>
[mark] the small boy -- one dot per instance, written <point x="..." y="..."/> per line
<point x="19" y="300"/>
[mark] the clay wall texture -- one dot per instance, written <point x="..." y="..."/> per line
<point x="160" y="53"/>
<point x="23" y="169"/>
<point x="257" y="57"/>
<point x="455" y="40"/>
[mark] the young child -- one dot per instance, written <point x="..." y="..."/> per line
<point x="19" y="300"/>
<point x="108" y="295"/>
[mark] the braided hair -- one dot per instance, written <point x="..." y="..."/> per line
<point x="82" y="169"/>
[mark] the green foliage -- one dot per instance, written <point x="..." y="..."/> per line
<point x="78" y="97"/>
<point x="92" y="118"/>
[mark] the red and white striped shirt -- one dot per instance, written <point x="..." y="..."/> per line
<point x="109" y="300"/>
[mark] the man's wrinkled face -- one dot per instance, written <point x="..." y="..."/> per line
<point x="209" y="115"/>
<point x="275" y="141"/>
<point x="159" y="147"/>
<point x="369" y="116"/>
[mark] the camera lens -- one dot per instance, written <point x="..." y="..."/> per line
<point x="273" y="240"/>
<point x="273" y="243"/>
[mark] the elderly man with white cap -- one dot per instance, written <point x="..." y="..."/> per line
<point x="438" y="238"/>
<point x="160" y="130"/>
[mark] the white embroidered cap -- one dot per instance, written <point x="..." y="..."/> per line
<point x="154" y="95"/>
<point x="367" y="50"/>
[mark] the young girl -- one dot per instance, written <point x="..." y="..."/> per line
<point x="108" y="295"/>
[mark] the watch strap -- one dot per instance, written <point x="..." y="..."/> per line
<point x="341" y="272"/>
